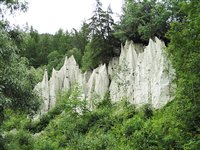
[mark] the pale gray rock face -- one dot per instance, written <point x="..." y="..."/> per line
<point x="53" y="87"/>
<point x="112" y="66"/>
<point x="90" y="84"/>
<point x="154" y="76"/>
<point x="143" y="75"/>
<point x="122" y="82"/>
<point x="43" y="89"/>
<point x="97" y="84"/>
<point x="101" y="81"/>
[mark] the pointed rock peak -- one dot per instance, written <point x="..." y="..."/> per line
<point x="156" y="40"/>
<point x="127" y="43"/>
<point x="138" y="48"/>
<point x="128" y="75"/>
<point x="66" y="60"/>
<point x="72" y="60"/>
<point x="45" y="76"/>
<point x="122" y="46"/>
<point x="160" y="42"/>
<point x="104" y="67"/>
<point x="54" y="72"/>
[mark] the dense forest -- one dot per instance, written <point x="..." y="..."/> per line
<point x="25" y="53"/>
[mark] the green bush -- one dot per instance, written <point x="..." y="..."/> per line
<point x="132" y="125"/>
<point x="46" y="144"/>
<point x="18" y="140"/>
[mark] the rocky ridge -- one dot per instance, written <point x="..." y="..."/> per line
<point x="141" y="74"/>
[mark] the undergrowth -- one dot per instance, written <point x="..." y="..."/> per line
<point x="109" y="126"/>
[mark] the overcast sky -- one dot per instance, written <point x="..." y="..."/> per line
<point x="47" y="16"/>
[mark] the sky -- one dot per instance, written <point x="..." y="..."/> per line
<point x="47" y="16"/>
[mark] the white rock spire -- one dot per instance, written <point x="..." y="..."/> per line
<point x="143" y="75"/>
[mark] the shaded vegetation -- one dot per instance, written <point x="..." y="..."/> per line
<point x="71" y="124"/>
<point x="144" y="19"/>
<point x="108" y="126"/>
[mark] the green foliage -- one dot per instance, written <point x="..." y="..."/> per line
<point x="193" y="144"/>
<point x="13" y="135"/>
<point x="77" y="55"/>
<point x="19" y="140"/>
<point x="112" y="126"/>
<point x="132" y="125"/>
<point x="81" y="38"/>
<point x="70" y="124"/>
<point x="17" y="99"/>
<point x="103" y="44"/>
<point x="44" y="144"/>
<point x="41" y="49"/>
<point x="11" y="7"/>
<point x="108" y="126"/>
<point x="13" y="120"/>
<point x="184" y="53"/>
<point x="55" y="60"/>
<point x="101" y="21"/>
<point x="92" y="45"/>
<point x="91" y="57"/>
<point x="146" y="19"/>
<point x="16" y="80"/>
<point x="50" y="50"/>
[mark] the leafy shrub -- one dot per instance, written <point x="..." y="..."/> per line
<point x="46" y="144"/>
<point x="19" y="140"/>
<point x="14" y="120"/>
<point x="132" y="125"/>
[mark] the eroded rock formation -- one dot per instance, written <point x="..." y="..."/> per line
<point x="141" y="74"/>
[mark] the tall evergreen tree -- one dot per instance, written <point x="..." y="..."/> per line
<point x="102" y="42"/>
